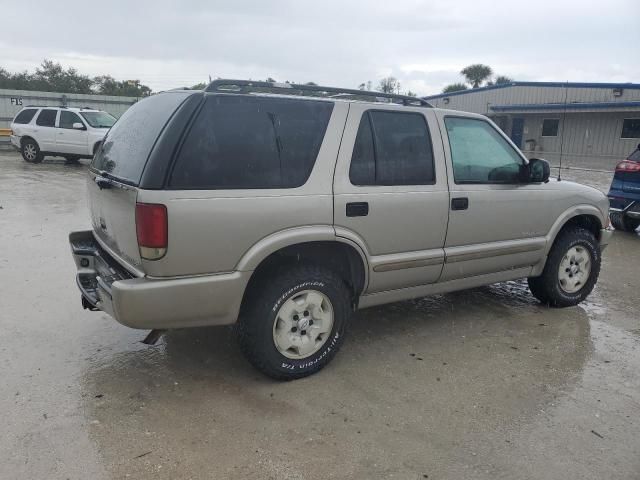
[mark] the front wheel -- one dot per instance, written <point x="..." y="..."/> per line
<point x="293" y="324"/>
<point x="31" y="151"/>
<point x="571" y="271"/>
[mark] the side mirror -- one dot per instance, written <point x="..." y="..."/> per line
<point x="78" y="126"/>
<point x="539" y="170"/>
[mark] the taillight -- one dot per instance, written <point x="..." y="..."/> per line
<point x="152" y="230"/>
<point x="628" y="166"/>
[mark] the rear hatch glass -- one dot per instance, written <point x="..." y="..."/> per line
<point x="126" y="147"/>
<point x="122" y="159"/>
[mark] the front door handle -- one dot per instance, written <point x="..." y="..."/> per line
<point x="460" y="203"/>
<point x="357" y="209"/>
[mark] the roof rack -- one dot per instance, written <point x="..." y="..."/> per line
<point x="44" y="106"/>
<point x="250" y="86"/>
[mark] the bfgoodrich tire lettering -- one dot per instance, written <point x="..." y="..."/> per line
<point x="262" y="307"/>
<point x="548" y="288"/>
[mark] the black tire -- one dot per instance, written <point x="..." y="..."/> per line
<point x="262" y="305"/>
<point x="547" y="287"/>
<point x="31" y="151"/>
<point x="623" y="223"/>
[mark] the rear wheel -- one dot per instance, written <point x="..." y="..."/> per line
<point x="293" y="324"/>
<point x="623" y="223"/>
<point x="571" y="271"/>
<point x="31" y="151"/>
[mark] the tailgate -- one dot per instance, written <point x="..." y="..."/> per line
<point x="113" y="215"/>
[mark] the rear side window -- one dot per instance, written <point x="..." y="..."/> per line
<point x="251" y="142"/>
<point x="392" y="148"/>
<point x="128" y="144"/>
<point x="47" y="118"/>
<point x="25" y="116"/>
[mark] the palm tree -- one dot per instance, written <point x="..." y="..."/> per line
<point x="455" y="87"/>
<point x="476" y="74"/>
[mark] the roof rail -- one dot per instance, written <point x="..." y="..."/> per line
<point x="250" y="86"/>
<point x="44" y="106"/>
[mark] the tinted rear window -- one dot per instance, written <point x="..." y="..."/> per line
<point x="392" y="148"/>
<point x="127" y="146"/>
<point x="251" y="142"/>
<point x="25" y="116"/>
<point x="47" y="118"/>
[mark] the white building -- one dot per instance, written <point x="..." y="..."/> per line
<point x="592" y="125"/>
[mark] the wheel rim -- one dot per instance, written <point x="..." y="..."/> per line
<point x="575" y="269"/>
<point x="303" y="324"/>
<point x="30" y="151"/>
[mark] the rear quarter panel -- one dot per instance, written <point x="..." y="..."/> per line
<point x="210" y="231"/>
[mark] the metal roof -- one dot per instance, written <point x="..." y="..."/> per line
<point x="633" y="86"/>
<point x="563" y="106"/>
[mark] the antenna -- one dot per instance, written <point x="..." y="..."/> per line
<point x="564" y="116"/>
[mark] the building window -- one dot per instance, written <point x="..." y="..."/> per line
<point x="630" y="128"/>
<point x="550" y="127"/>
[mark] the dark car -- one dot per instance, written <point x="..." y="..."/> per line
<point x="624" y="194"/>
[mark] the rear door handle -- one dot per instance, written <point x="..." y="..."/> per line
<point x="357" y="209"/>
<point x="460" y="203"/>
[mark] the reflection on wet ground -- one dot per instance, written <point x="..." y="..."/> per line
<point x="484" y="383"/>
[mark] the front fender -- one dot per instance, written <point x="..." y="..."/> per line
<point x="574" y="211"/>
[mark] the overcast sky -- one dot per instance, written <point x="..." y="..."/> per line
<point x="343" y="43"/>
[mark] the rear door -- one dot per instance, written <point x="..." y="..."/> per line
<point x="69" y="139"/>
<point x="121" y="161"/>
<point x="390" y="193"/>
<point x="44" y="130"/>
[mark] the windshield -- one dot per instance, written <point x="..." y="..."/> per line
<point x="99" y="119"/>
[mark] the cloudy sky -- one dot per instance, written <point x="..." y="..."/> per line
<point x="343" y="43"/>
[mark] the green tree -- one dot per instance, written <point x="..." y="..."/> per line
<point x="410" y="94"/>
<point x="389" y="85"/>
<point x="52" y="77"/>
<point x="476" y="74"/>
<point x="107" y="85"/>
<point x="502" y="79"/>
<point x="454" y="87"/>
<point x="199" y="86"/>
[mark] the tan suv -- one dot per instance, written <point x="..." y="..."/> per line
<point x="287" y="207"/>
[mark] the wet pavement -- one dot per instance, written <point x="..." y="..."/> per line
<point x="479" y="384"/>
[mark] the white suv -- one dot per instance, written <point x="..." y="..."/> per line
<point x="67" y="132"/>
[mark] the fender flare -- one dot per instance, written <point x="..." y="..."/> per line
<point x="270" y="244"/>
<point x="566" y="216"/>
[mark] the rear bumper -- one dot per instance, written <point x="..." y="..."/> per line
<point x="15" y="141"/>
<point x="148" y="303"/>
